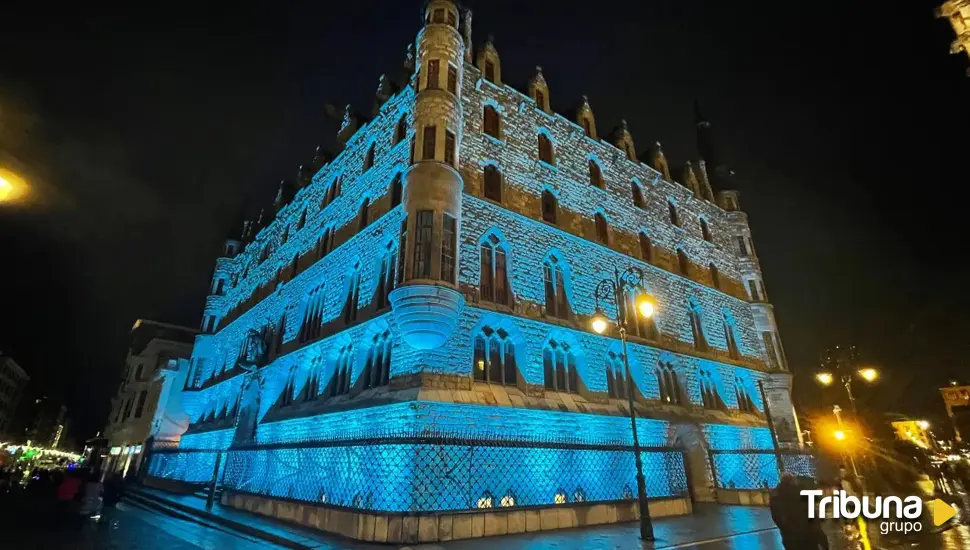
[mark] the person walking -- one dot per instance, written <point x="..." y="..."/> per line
<point x="790" y="513"/>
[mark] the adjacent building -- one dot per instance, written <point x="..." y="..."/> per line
<point x="13" y="379"/>
<point x="957" y="12"/>
<point x="47" y="422"/>
<point x="138" y="411"/>
<point x="956" y="398"/>
<point x="406" y="335"/>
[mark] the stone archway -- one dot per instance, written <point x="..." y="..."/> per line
<point x="700" y="480"/>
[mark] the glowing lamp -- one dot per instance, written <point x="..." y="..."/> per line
<point x="599" y="322"/>
<point x="645" y="307"/>
<point x="824" y="378"/>
<point x="12" y="186"/>
<point x="869" y="374"/>
<point x="839" y="435"/>
<point x="923" y="424"/>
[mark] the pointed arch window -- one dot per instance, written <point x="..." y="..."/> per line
<point x="397" y="190"/>
<point x="616" y="382"/>
<point x="732" y="343"/>
<point x="400" y="131"/>
<point x="715" y="276"/>
<point x="546" y="152"/>
<point x="697" y="325"/>
<point x="295" y="267"/>
<point x="302" y="221"/>
<point x="683" y="264"/>
<point x="710" y="398"/>
<point x="332" y="192"/>
<point x="353" y="296"/>
<point x="289" y="388"/>
<point x="602" y="228"/>
<point x="559" y="367"/>
<point x="342" y="372"/>
<point x="706" y="231"/>
<point x="494" y="357"/>
<point x="311" y="389"/>
<point x="669" y="384"/>
<point x="377" y="370"/>
<point x="745" y="404"/>
<point x="313" y="315"/>
<point x="494" y="280"/>
<point x="280" y="333"/>
<point x="364" y="215"/>
<point x="387" y="276"/>
<point x="646" y="248"/>
<point x="550" y="207"/>
<point x="491" y="123"/>
<point x="557" y="304"/>
<point x="492" y="185"/>
<point x="286" y="235"/>
<point x="638" y="200"/>
<point x="672" y="211"/>
<point x="595" y="174"/>
<point x="369" y="157"/>
<point x="325" y="243"/>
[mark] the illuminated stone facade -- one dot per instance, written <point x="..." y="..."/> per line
<point x="957" y="12"/>
<point x="430" y="289"/>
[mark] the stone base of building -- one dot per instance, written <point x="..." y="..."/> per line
<point x="440" y="527"/>
<point x="744" y="497"/>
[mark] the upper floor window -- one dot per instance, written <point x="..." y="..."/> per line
<point x="286" y="235"/>
<point x="343" y="370"/>
<point x="710" y="397"/>
<point x="140" y="407"/>
<point x="559" y="367"/>
<point x="595" y="174"/>
<point x="646" y="248"/>
<point x="491" y="122"/>
<point x="427" y="150"/>
<point x="295" y="267"/>
<point x="706" y="231"/>
<point x="669" y="384"/>
<point x="638" y="199"/>
<point x="757" y="290"/>
<point x="369" y="157"/>
<point x="332" y="192"/>
<point x="557" y="304"/>
<point x="313" y="314"/>
<point x="683" y="264"/>
<point x="387" y="277"/>
<point x="353" y="296"/>
<point x="325" y="243"/>
<point x="494" y="281"/>
<point x="449" y="234"/>
<point x="732" y="343"/>
<point x="743" y="249"/>
<point x="616" y="382"/>
<point x="286" y="398"/>
<point x="423" y="230"/>
<point x="450" y="146"/>
<point x="494" y="357"/>
<point x="745" y="404"/>
<point x="489" y="71"/>
<point x="278" y="335"/>
<point x="400" y="131"/>
<point x="674" y="216"/>
<point x="397" y="190"/>
<point x="434" y="67"/>
<point x="550" y="207"/>
<point x="492" y="184"/>
<point x="403" y="250"/>
<point x="311" y="389"/>
<point x="696" y="325"/>
<point x="546" y="153"/>
<point x="451" y="18"/>
<point x="302" y="220"/>
<point x="377" y="370"/>
<point x="602" y="228"/>
<point x="439" y="16"/>
<point x="715" y="276"/>
<point x="364" y="214"/>
<point x="452" y="79"/>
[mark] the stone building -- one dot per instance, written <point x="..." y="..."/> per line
<point x="138" y="410"/>
<point x="957" y="12"/>
<point x="12" y="382"/>
<point x="406" y="335"/>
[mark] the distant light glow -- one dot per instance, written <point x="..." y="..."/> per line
<point x="924" y="424"/>
<point x="869" y="374"/>
<point x="824" y="378"/>
<point x="12" y="186"/>
<point x="839" y="435"/>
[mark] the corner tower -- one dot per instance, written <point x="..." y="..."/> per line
<point x="427" y="304"/>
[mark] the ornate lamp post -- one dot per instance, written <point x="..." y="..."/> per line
<point x="616" y="289"/>
<point x="868" y="374"/>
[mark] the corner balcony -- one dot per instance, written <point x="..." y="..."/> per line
<point x="426" y="314"/>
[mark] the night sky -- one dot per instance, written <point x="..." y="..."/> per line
<point x="145" y="135"/>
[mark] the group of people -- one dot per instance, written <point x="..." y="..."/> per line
<point x="75" y="493"/>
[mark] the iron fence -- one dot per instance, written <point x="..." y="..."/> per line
<point x="433" y="474"/>
<point x="758" y="469"/>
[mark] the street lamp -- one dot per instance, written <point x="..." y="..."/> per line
<point x="616" y="289"/>
<point x="839" y="434"/>
<point x="868" y="374"/>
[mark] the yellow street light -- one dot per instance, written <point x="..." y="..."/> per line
<point x="599" y="322"/>
<point x="923" y="424"/>
<point x="838" y="435"/>
<point x="645" y="307"/>
<point x="824" y="378"/>
<point x="869" y="374"/>
<point x="12" y="186"/>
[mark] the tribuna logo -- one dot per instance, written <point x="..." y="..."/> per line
<point x="906" y="510"/>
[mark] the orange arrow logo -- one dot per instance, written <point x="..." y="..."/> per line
<point x="942" y="512"/>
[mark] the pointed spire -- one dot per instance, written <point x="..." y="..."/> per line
<point x="409" y="59"/>
<point x="284" y="194"/>
<point x="624" y="141"/>
<point x="658" y="161"/>
<point x="302" y="177"/>
<point x="348" y="124"/>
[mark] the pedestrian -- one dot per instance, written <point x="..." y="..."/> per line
<point x="790" y="513"/>
<point x="114" y="490"/>
<point x="90" y="495"/>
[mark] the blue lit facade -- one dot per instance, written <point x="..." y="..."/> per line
<point x="423" y="299"/>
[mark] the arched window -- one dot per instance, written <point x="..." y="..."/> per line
<point x="492" y="185"/>
<point x="616" y="385"/>
<point x="696" y="325"/>
<point x="709" y="394"/>
<point x="491" y="122"/>
<point x="332" y="192"/>
<point x="602" y="229"/>
<point x="732" y="344"/>
<point x="377" y="370"/>
<point x="400" y="131"/>
<point x="669" y="384"/>
<point x="745" y="404"/>
<point x="295" y="266"/>
<point x="311" y="388"/>
<point x="557" y="304"/>
<point x="289" y="388"/>
<point x="646" y="248"/>
<point x="313" y="315"/>
<point x="494" y="282"/>
<point x="559" y="367"/>
<point x="286" y="235"/>
<point x="550" y="207"/>
<point x="325" y="243"/>
<point x="715" y="276"/>
<point x="595" y="174"/>
<point x="387" y="276"/>
<point x="494" y="357"/>
<point x="397" y="190"/>
<point x="683" y="264"/>
<point x="369" y="158"/>
<point x="638" y="199"/>
<point x="672" y="210"/>
<point x="302" y="221"/>
<point x="546" y="152"/>
<point x="364" y="214"/>
<point x="353" y="296"/>
<point x="279" y="334"/>
<point x="706" y="231"/>
<point x="342" y="372"/>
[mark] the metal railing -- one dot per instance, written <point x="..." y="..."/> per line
<point x="758" y="469"/>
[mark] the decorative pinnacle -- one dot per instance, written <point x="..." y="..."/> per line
<point x="623" y="124"/>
